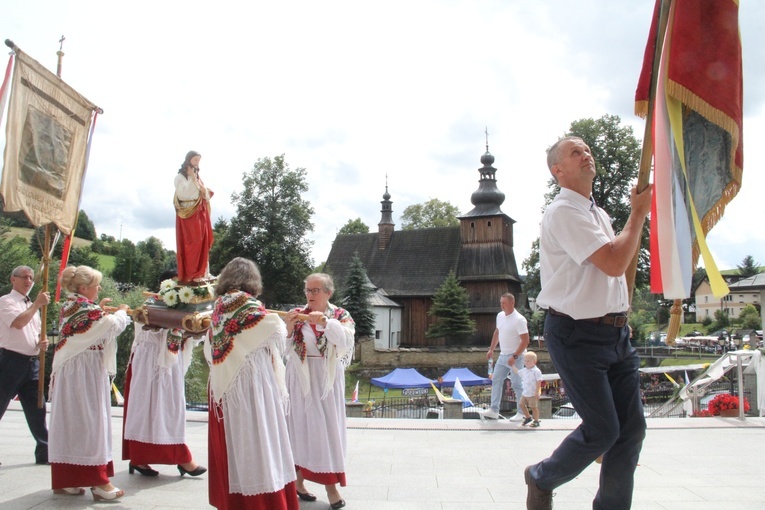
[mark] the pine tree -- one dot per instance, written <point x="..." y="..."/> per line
<point x="450" y="305"/>
<point x="355" y="298"/>
<point x="748" y="267"/>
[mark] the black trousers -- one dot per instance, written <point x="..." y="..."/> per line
<point x="19" y="375"/>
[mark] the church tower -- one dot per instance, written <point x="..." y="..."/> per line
<point x="385" y="227"/>
<point x="487" y="267"/>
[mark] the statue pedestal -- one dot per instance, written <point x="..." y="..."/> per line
<point x="193" y="318"/>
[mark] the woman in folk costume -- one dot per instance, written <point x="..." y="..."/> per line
<point x="80" y="442"/>
<point x="193" y="228"/>
<point x="154" y="415"/>
<point x="320" y="348"/>
<point x="251" y="463"/>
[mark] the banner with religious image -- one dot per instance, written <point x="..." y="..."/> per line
<point x="47" y="132"/>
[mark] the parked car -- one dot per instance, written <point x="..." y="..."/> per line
<point x="566" y="412"/>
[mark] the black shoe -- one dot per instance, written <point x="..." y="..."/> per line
<point x="536" y="498"/>
<point x="196" y="472"/>
<point x="144" y="471"/>
<point x="338" y="504"/>
<point x="42" y="462"/>
<point x="306" y="496"/>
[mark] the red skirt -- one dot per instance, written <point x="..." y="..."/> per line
<point x="140" y="453"/>
<point x="71" y="475"/>
<point x="322" y="478"/>
<point x="217" y="477"/>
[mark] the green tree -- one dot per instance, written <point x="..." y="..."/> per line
<point x="155" y="260"/>
<point x="450" y="306"/>
<point x="14" y="252"/>
<point x="532" y="284"/>
<point x="637" y="320"/>
<point x="750" y="318"/>
<point x="721" y="320"/>
<point x="127" y="263"/>
<point x="37" y="241"/>
<point x="354" y="227"/>
<point x="748" y="267"/>
<point x="85" y="228"/>
<point x="83" y="256"/>
<point x="616" y="152"/>
<point x="355" y="298"/>
<point x="223" y="246"/>
<point x="105" y="245"/>
<point x="270" y="226"/>
<point x="433" y="213"/>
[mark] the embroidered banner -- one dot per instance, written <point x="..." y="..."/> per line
<point x="46" y="140"/>
<point x="697" y="128"/>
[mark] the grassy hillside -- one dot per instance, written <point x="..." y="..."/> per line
<point x="27" y="234"/>
<point x="105" y="262"/>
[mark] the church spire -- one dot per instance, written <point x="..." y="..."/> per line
<point x="487" y="199"/>
<point x="386" y="225"/>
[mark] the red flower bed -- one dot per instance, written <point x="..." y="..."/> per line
<point x="725" y="401"/>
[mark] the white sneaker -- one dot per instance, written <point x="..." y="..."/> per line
<point x="491" y="415"/>
<point x="517" y="417"/>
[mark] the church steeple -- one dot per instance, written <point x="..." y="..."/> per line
<point x="487" y="199"/>
<point x="386" y="225"/>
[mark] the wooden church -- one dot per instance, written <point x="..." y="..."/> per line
<point x="407" y="267"/>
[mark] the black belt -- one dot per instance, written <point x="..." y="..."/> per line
<point x="18" y="354"/>
<point x="617" y="320"/>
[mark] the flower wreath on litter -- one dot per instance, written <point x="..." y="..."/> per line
<point x="174" y="295"/>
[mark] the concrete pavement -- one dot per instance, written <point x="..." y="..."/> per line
<point x="686" y="463"/>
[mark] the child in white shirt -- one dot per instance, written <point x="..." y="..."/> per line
<point x="532" y="387"/>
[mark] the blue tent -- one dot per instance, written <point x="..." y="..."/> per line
<point x="402" y="378"/>
<point x="467" y="378"/>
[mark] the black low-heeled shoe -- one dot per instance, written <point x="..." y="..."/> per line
<point x="338" y="504"/>
<point x="306" y="496"/>
<point x="143" y="471"/>
<point x="194" y="472"/>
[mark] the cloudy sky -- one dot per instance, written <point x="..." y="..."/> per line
<point x="356" y="92"/>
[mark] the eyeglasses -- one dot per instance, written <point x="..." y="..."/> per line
<point x="312" y="292"/>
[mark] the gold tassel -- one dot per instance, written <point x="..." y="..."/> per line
<point x="641" y="108"/>
<point x="674" y="322"/>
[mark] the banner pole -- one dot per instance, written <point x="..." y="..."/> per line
<point x="44" y="317"/>
<point x="646" y="155"/>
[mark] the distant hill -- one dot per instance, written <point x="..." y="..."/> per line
<point x="105" y="262"/>
<point x="27" y="234"/>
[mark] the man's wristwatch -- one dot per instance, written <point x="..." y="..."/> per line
<point x="515" y="356"/>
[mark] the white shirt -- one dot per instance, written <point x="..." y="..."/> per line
<point x="510" y="328"/>
<point x="530" y="376"/>
<point x="572" y="229"/>
<point x="24" y="340"/>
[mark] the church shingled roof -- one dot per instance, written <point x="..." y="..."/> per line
<point x="415" y="263"/>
